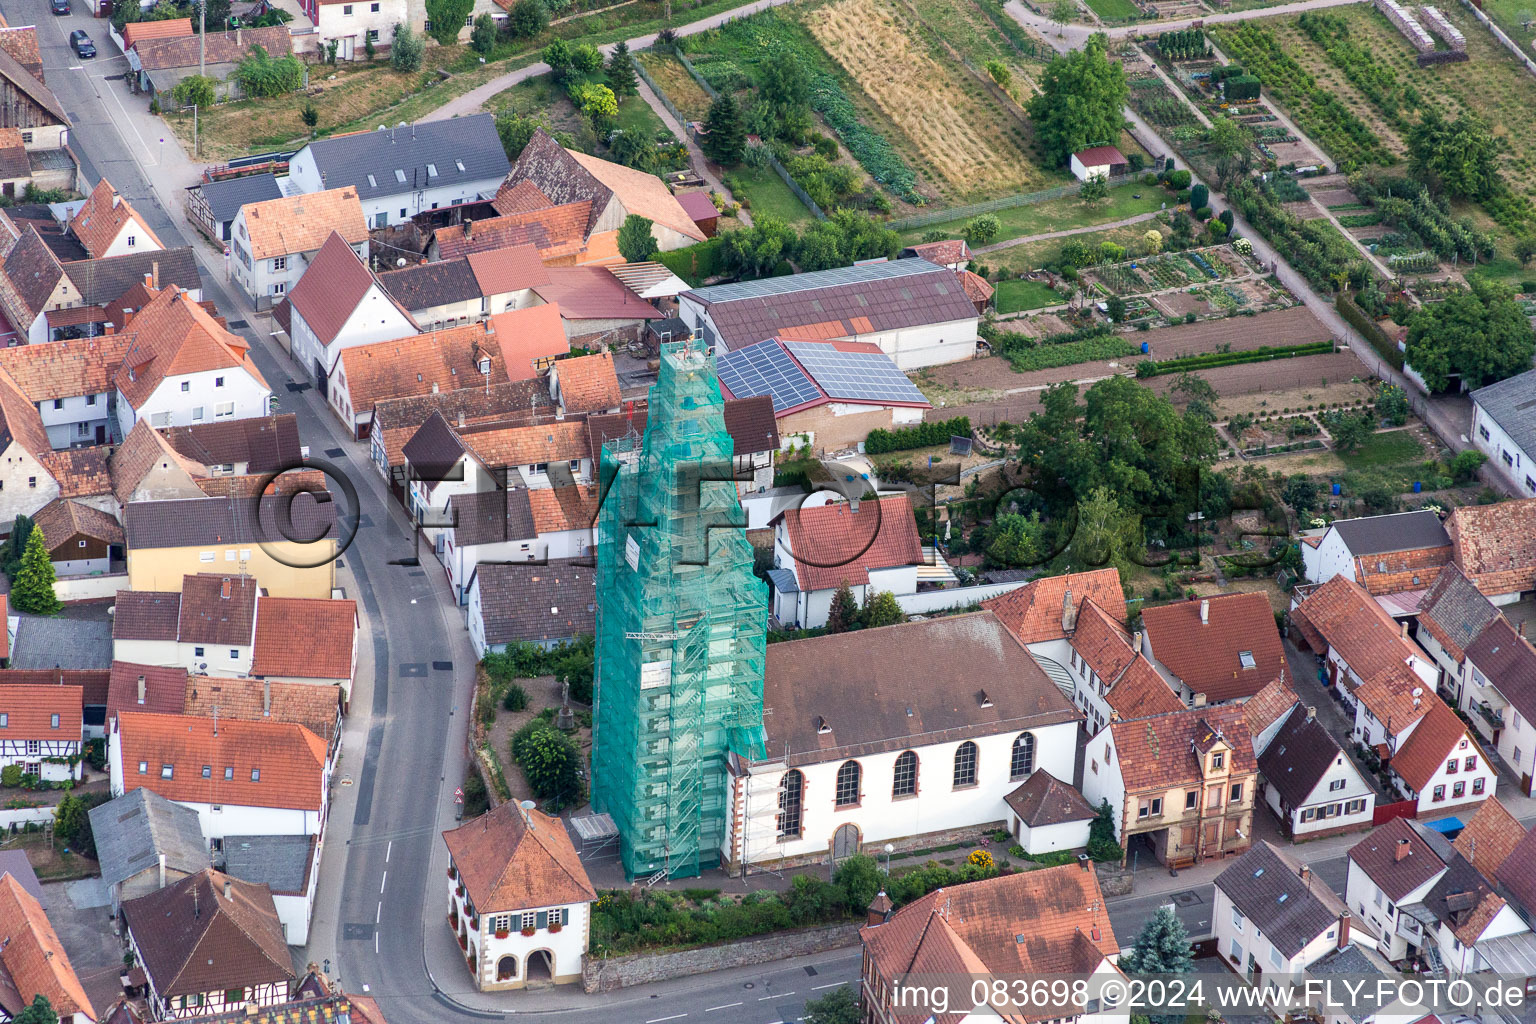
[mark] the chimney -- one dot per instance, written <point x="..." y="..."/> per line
<point x="229" y="893"/>
<point x="111" y="329"/>
<point x="162" y="866"/>
<point x="879" y="909"/>
<point x="149" y="280"/>
<point x="1200" y="700"/>
<point x="1068" y="613"/>
<point x="469" y="228"/>
<point x="116" y="199"/>
<point x="154" y="275"/>
<point x="1205" y="613"/>
<point x="1305" y="874"/>
<point x="1404" y="629"/>
<point x="1404" y="848"/>
<point x="1136" y="641"/>
<point x="1343" y="929"/>
<point x="1084" y="863"/>
<point x="141" y="689"/>
<point x="266" y="698"/>
<point x="224" y="590"/>
<point x="1311" y="714"/>
<point x="434" y="387"/>
<point x="461" y="419"/>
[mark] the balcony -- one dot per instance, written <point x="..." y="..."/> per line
<point x="1493" y="716"/>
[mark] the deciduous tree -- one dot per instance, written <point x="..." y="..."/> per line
<point x="881" y="609"/>
<point x="1480" y="335"/>
<point x="482" y="38"/>
<point x="1081" y="101"/>
<point x="527" y="19"/>
<point x="1460" y="155"/>
<point x="446" y="18"/>
<point x="407" y="49"/>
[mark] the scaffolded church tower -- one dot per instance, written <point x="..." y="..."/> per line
<point x="681" y="628"/>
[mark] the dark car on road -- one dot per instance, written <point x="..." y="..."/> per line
<point x="81" y="43"/>
<point x="59" y="6"/>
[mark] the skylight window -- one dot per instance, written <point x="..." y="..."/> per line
<point x="399" y="175"/>
<point x="371" y="182"/>
<point x="1282" y="897"/>
<point x="1246" y="657"/>
<point x="460" y="165"/>
<point x="431" y="170"/>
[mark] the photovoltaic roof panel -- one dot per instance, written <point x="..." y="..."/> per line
<point x="862" y="273"/>
<point x="766" y="369"/>
<point x="856" y="376"/>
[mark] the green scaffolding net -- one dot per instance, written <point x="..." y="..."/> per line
<point x="681" y="628"/>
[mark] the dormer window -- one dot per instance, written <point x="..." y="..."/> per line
<point x="1218" y="760"/>
<point x="822" y="726"/>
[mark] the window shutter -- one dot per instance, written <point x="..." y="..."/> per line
<point x="542" y="920"/>
<point x="565" y="915"/>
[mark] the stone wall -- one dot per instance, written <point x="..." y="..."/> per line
<point x="606" y="975"/>
<point x="1115" y="881"/>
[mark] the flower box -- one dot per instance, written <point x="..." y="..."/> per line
<point x="502" y="933"/>
<point x="459" y="891"/>
<point x="474" y="923"/>
<point x="528" y="933"/>
<point x="554" y="926"/>
<point x="463" y="942"/>
<point x="453" y="872"/>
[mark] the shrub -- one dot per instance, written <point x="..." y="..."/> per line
<point x="261" y="75"/>
<point x="407" y="50"/>
<point x="921" y="435"/>
<point x="482" y="39"/>
<point x="527" y="19"/>
<point x="194" y="91"/>
<point x="515" y="699"/>
<point x="10" y="776"/>
<point x="1464" y="468"/>
<point x="447" y="19"/>
<point x="981" y="229"/>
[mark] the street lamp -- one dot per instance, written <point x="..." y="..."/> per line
<point x="889" y="849"/>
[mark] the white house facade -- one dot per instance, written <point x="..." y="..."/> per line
<point x="202" y="397"/>
<point x="1502" y="428"/>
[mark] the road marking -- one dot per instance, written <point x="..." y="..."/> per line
<point x="833" y="984"/>
<point x="375" y="942"/>
<point x="382" y="881"/>
<point x="726" y="1006"/>
<point x="379" y="912"/>
<point x="658" y="1020"/>
<point x="387" y="850"/>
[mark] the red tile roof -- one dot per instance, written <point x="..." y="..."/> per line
<point x="1156" y="752"/>
<point x="444" y="360"/>
<point x="287" y="760"/>
<point x="833" y="544"/>
<point x="103" y="216"/>
<point x="950" y="250"/>
<point x="1098" y="156"/>
<point x="558" y="232"/>
<point x="174" y="335"/>
<point x="303" y="222"/>
<point x="593" y="293"/>
<point x="164" y="689"/>
<point x="29" y="709"/>
<point x="509" y="863"/>
<point x="1207" y="654"/>
<point x="1034" y="612"/>
<point x="33" y="955"/>
<point x="526" y="337"/>
<point x="1496" y="545"/>
<point x="1438" y="734"/>
<point x="306" y="638"/>
<point x="498" y="271"/>
<point x="1397" y="859"/>
<point x="335" y="281"/>
<point x="1268" y="706"/>
<point x="588" y="383"/>
<point x="1490" y="837"/>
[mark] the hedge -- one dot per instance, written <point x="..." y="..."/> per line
<point x="1384" y="346"/>
<point x="922" y="435"/>
<point x="1047" y="356"/>
<point x="1242" y="87"/>
<point x="1156" y="368"/>
<point x="696" y="263"/>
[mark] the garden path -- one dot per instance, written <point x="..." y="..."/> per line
<point x="1044" y="236"/>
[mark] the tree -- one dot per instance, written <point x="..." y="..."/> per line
<point x="309" y="115"/>
<point x="783" y="88"/>
<point x="1062" y="12"/>
<point x="1152" y="241"/>
<point x="550" y="761"/>
<point x="1101" y="835"/>
<point x="981" y="229"/>
<point x="844" y="613"/>
<point x="1300" y="493"/>
<point x="482" y="38"/>
<point x="1465" y="465"/>
<point x="600" y="105"/>
<point x="33" y="590"/>
<point x="621" y="72"/>
<point x="260" y="74"/>
<point x="1081" y="101"/>
<point x="756" y="251"/>
<point x="369" y="51"/>
<point x="1480" y="336"/>
<point x="1227" y="218"/>
<point x="633" y="149"/>
<point x="72" y="821"/>
<point x="558" y="56"/>
<point x="1106" y="533"/>
<point x="15" y="546"/>
<point x="859" y="877"/>
<point x="1077" y="253"/>
<point x="1018" y="541"/>
<point x="1115" y="307"/>
<point x="1460" y="156"/>
<point x="820" y="247"/>
<point x="1349" y="431"/>
<point x="527" y="19"/>
<point x="1392" y="404"/>
<point x="1199" y="196"/>
<point x="881" y="609"/>
<point x="838" y="1006"/>
<point x="1000" y="73"/>
<point x="194" y="91"/>
<point x="586" y="58"/>
<point x="1525" y="249"/>
<point x="445" y="19"/>
<point x="407" y="50"/>
<point x="1161" y="948"/>
<point x="516" y="130"/>
<point x="1226" y="137"/>
<point x="1111" y="252"/>
<point x="39" y="1011"/>
<point x="636" y="243"/>
<point x="725" y="137"/>
<point x="1094" y="191"/>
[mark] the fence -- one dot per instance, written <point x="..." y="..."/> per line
<point x="1384" y="813"/>
<point x="1498" y="33"/>
<point x="992" y="205"/>
<point x="773" y="161"/>
<point x="90" y="588"/>
<point x="959" y="597"/>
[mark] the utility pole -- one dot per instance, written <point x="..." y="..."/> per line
<point x="202" y="36"/>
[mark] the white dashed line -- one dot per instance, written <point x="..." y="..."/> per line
<point x="726" y="1006"/>
<point x="658" y="1020"/>
<point x="382" y="881"/>
<point x="387" y="850"/>
<point x="818" y="988"/>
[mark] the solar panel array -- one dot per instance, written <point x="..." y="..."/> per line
<point x="855" y="376"/>
<point x="864" y="273"/>
<point x="766" y="369"/>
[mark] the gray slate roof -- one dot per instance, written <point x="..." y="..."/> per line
<point x="1298" y="757"/>
<point x="62" y="643"/>
<point x="1268" y="890"/>
<point x="1507" y="661"/>
<point x="187" y="522"/>
<point x="225" y="197"/>
<point x="1457" y="607"/>
<point x="16" y="864"/>
<point x="471" y="141"/>
<point x="102" y="281"/>
<point x="135" y="829"/>
<point x="1402" y="531"/>
<point x="1512" y="405"/>
<point x="281" y="862"/>
<point x="432" y="284"/>
<point x="536" y="603"/>
<point x="490" y="517"/>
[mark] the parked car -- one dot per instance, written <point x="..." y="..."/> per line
<point x="81" y="43"/>
<point x="59" y="6"/>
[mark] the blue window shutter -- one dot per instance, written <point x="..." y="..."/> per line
<point x="541" y="920"/>
<point x="565" y="915"/>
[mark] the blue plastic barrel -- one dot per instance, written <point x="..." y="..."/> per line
<point x="1145" y="348"/>
<point x="1418" y="485"/>
<point x="1336" y="490"/>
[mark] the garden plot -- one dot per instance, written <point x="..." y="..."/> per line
<point x="966" y="143"/>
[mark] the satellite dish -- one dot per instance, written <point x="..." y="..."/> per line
<point x="527" y="805"/>
<point x="400" y="261"/>
<point x="383" y="128"/>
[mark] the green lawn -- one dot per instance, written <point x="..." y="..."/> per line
<point x="1015" y="295"/>
<point x="1392" y="448"/>
<point x="1114" y="10"/>
<point x="766" y="192"/>
<point x="1060" y="214"/>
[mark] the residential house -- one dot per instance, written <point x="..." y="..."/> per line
<point x="397" y="173"/>
<point x="425" y="364"/>
<point x="1098" y="162"/>
<point x="35" y="287"/>
<point x="82" y="541"/>
<point x="93" y="684"/>
<point x="1309" y="782"/>
<point x="1502" y="428"/>
<point x="1388" y="683"/>
<point x="276" y="240"/>
<point x="42" y="729"/>
<point x="1500" y="696"/>
<point x="251" y="446"/>
<point x="122" y="285"/>
<point x="1489" y="838"/>
<point x="145" y="467"/>
<point x="871" y="546"/>
<point x="1451" y="615"/>
<point x="156" y="66"/>
<point x="1495" y="547"/>
<point x="168" y="540"/>
<point x="137" y="687"/>
<point x="1468" y="915"/>
<point x="596" y="309"/>
<point x="208" y="944"/>
<point x="1052" y="922"/>
<point x="515" y="525"/>
<point x="108" y="225"/>
<point x="518" y="898"/>
<point x="1047" y="815"/>
<point x="337" y="304"/>
<point x="894" y="735"/>
<point x="32" y="109"/>
<point x="585" y="385"/>
<point x="33" y="962"/>
<point x="144" y="843"/>
<point x="1266" y="711"/>
<point x="915" y="311"/>
<point x="557" y="232"/>
<point x="1403" y="551"/>
<point x="264" y="699"/>
<point x="355" y="27"/>
<point x="531" y="339"/>
<point x="545" y="604"/>
<point x="1110" y="680"/>
<point x="466" y="288"/>
<point x="950" y="252"/>
<point x="185" y="367"/>
<point x="614" y="191"/>
<point x="242" y="777"/>
<point x="826" y="395"/>
<point x="71" y="384"/>
<point x="1390" y="872"/>
<point x="289" y="867"/>
<point x="1220" y="648"/>
<point x="1270" y="920"/>
<point x="1182" y="784"/>
<point x="212" y="205"/>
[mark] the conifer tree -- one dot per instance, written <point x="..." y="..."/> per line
<point x="33" y="590"/>
<point x="727" y="138"/>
